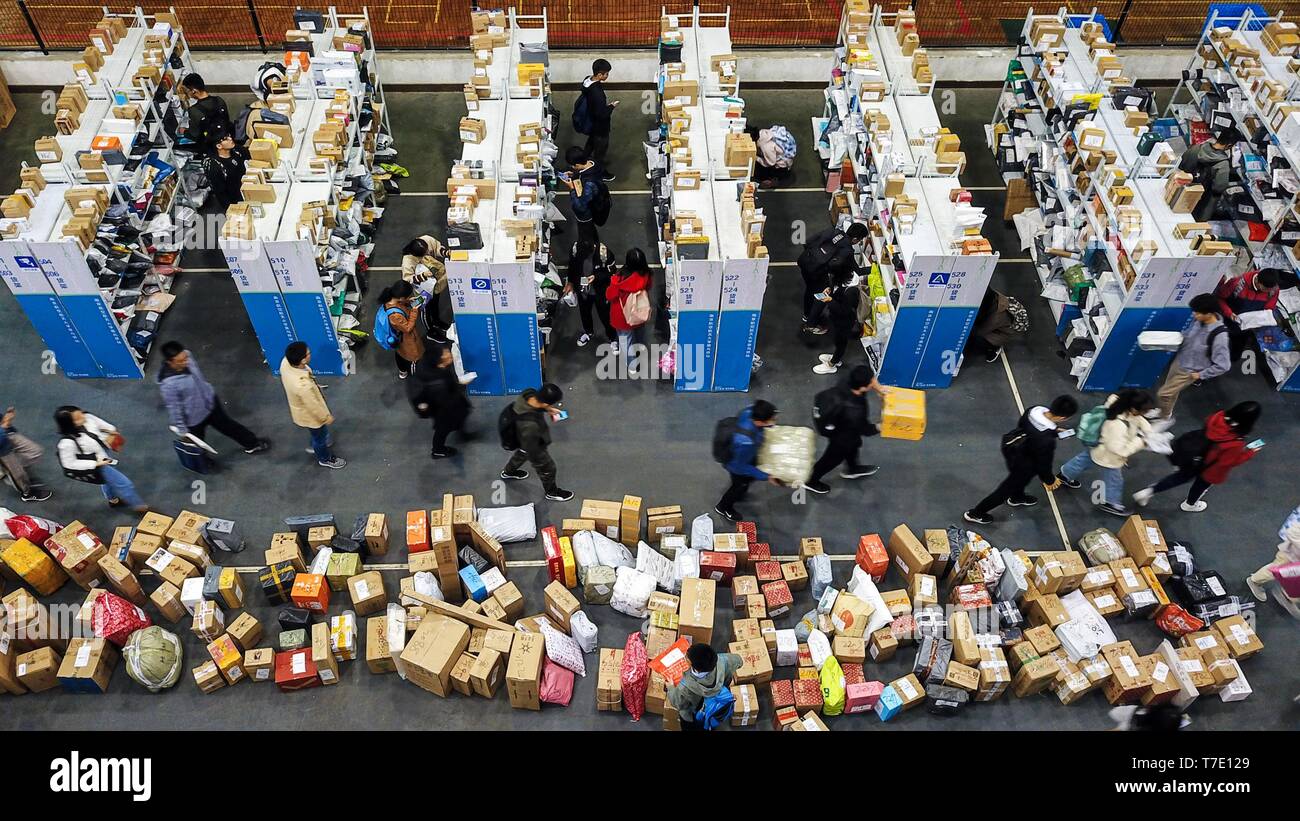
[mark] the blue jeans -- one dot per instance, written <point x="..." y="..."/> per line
<point x="320" y="443"/>
<point x="117" y="486"/>
<point x="1113" y="477"/>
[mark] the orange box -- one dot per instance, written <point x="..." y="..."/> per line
<point x="872" y="556"/>
<point x="417" y="531"/>
<point x="225" y="654"/>
<point x="103" y="143"/>
<point x="311" y="591"/>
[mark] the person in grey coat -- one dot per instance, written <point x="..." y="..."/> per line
<point x="1210" y="164"/>
<point x="1202" y="355"/>
<point x="193" y="404"/>
<point x="709" y="673"/>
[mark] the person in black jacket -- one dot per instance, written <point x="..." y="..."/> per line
<point x="437" y="393"/>
<point x="601" y="111"/>
<point x="1028" y="451"/>
<point x="831" y="249"/>
<point x="531" y="414"/>
<point x="207" y="113"/>
<point x="840" y="311"/>
<point x="590" y="269"/>
<point x="842" y="417"/>
<point x="225" y="167"/>
<point x="583" y="181"/>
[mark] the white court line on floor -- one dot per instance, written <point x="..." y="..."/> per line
<point x="1051" y="497"/>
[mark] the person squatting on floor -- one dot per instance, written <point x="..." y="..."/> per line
<point x="697" y="697"/>
<point x="1029" y="450"/>
<point x="1124" y="433"/>
<point x="1206" y="456"/>
<point x="524" y="426"/>
<point x="841" y="415"/>
<point x="307" y="405"/>
<point x="193" y="404"/>
<point x="736" y="445"/>
<point x="86" y="454"/>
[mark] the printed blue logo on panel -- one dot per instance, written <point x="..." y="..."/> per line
<point x="938" y="278"/>
<point x="480" y="284"/>
<point x="26" y="262"/>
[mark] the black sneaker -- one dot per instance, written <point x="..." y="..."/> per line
<point x="730" y="515"/>
<point x="262" y="446"/>
<point x="446" y="452"/>
<point x="1072" y="484"/>
<point x="1114" y="510"/>
<point x="860" y="471"/>
<point x="817" y="487"/>
<point x="977" y="518"/>
<point x="333" y="464"/>
<point x="1022" y="501"/>
<point x="559" y="495"/>
<point x="514" y="474"/>
<point x="35" y="495"/>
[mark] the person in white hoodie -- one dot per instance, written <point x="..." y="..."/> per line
<point x="1288" y="552"/>
<point x="1124" y="433"/>
<point x="86" y="456"/>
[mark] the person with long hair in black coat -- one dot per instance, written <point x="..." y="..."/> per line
<point x="437" y="393"/>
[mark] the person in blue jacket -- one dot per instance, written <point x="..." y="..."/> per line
<point x="583" y="182"/>
<point x="745" y="443"/>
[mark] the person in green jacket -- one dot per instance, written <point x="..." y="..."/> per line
<point x="709" y="673"/>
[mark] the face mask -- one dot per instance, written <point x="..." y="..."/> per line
<point x="700" y="675"/>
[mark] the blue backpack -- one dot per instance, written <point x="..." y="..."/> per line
<point x="716" y="709"/>
<point x="384" y="333"/>
<point x="581" y="116"/>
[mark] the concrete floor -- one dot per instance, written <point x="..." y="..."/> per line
<point x="623" y="437"/>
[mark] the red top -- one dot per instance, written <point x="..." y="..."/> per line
<point x="1238" y="295"/>
<point x="1227" y="450"/>
<point x="620" y="287"/>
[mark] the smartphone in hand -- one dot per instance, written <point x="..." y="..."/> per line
<point x="1255" y="445"/>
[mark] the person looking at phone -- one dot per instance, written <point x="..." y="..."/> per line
<point x="524" y="427"/>
<point x="1206" y="456"/>
<point x="85" y="455"/>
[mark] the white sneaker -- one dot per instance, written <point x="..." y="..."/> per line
<point x="1196" y="508"/>
<point x="826" y="357"/>
<point x="583" y="340"/>
<point x="825" y="368"/>
<point x="1256" y="589"/>
<point x="1143" y="496"/>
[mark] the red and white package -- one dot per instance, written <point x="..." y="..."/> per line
<point x="1288" y="576"/>
<point x="1177" y="622"/>
<point x="32" y="528"/>
<point x="635" y="675"/>
<point x="114" y="618"/>
<point x="672" y="663"/>
<point x="557" y="684"/>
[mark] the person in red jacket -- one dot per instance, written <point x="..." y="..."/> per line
<point x="632" y="279"/>
<point x="1245" y="293"/>
<point x="1206" y="457"/>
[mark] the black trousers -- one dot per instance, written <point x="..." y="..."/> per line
<point x="587" y="231"/>
<point x="1013" y="485"/>
<point x="403" y="364"/>
<point x="838" y="451"/>
<point x="441" y="430"/>
<point x="597" y="148"/>
<point x="1182" y="477"/>
<point x="814" y="282"/>
<point x="978" y="345"/>
<point x="543" y="464"/>
<point x="588" y="304"/>
<point x="735" y="492"/>
<point x="437" y="326"/>
<point x="225" y="426"/>
<point x="841" y="335"/>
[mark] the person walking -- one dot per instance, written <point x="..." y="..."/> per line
<point x="709" y="675"/>
<point x="207" y="113"/>
<point x="18" y="457"/>
<point x="628" y="294"/>
<point x="1205" y="457"/>
<point x="307" y="404"/>
<point x="192" y="403"/>
<point x="594" y="112"/>
<point x="424" y="265"/>
<point x="1288" y="552"/>
<point x="1245" y="293"/>
<point x="739" y="453"/>
<point x="841" y="415"/>
<point x="1028" y="450"/>
<point x="590" y="270"/>
<point x="1202" y="355"/>
<point x="1124" y="433"/>
<point x="397" y="302"/>
<point x="583" y="181"/>
<point x="524" y="426"/>
<point x="437" y="393"/>
<point x="86" y="456"/>
<point x="840" y="309"/>
<point x="815" y="265"/>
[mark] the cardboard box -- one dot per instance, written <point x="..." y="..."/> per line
<point x="695" y="617"/>
<point x="605" y="514"/>
<point x="609" y="686"/>
<point x="810" y="546"/>
<point x="910" y="556"/>
<point x="629" y="523"/>
<point x="208" y="678"/>
<point x="485" y="674"/>
<point x="1034" y="677"/>
<point x="88" y="665"/>
<point x="167" y="598"/>
<point x="903" y="414"/>
<point x="524" y="672"/>
<point x="795" y="575"/>
<point x="1141" y="539"/>
<point x="430" y="654"/>
<point x="311" y="591"/>
<point x="1238" y="636"/>
<point x="662" y="521"/>
<point x="568" y="527"/>
<point x="37" y="670"/>
<point x="245" y="630"/>
<point x="228" y="657"/>
<point x="850" y="615"/>
<point x="294" y="670"/>
<point x="367" y="592"/>
<point x="259" y="664"/>
<point x="379" y="657"/>
<point x="560" y="604"/>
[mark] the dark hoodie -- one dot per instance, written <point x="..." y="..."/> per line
<point x="531" y="425"/>
<point x="1036" y="453"/>
<point x="852" y="419"/>
<point x="1227" y="450"/>
<point x="437" y="393"/>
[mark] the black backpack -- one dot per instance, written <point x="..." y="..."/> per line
<point x="826" y="410"/>
<point x="1209" y="341"/>
<point x="817" y="257"/>
<point x="722" y="435"/>
<point x="1013" y="444"/>
<point x="506" y="427"/>
<point x="601" y="204"/>
<point x="1189" y="449"/>
<point x="581" y="119"/>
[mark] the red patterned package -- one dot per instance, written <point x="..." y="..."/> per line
<point x="114" y="618"/>
<point x="760" y="552"/>
<point x="635" y="675"/>
<point x="557" y="683"/>
<point x="1177" y="622"/>
<point x="32" y="528"/>
<point x="749" y="529"/>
